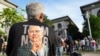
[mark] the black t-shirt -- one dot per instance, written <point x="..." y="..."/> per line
<point x="18" y="37"/>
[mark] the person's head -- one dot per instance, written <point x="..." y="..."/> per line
<point x="35" y="33"/>
<point x="35" y="10"/>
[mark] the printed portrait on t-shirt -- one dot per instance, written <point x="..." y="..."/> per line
<point x="34" y="41"/>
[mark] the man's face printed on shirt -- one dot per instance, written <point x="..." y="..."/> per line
<point x="35" y="33"/>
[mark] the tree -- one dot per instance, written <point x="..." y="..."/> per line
<point x="85" y="29"/>
<point x="1" y="33"/>
<point x="47" y="21"/>
<point x="74" y="32"/>
<point x="10" y="16"/>
<point x="95" y="26"/>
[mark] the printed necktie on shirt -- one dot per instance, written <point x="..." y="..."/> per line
<point x="37" y="54"/>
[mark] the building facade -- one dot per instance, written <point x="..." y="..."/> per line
<point x="61" y="25"/>
<point x="92" y="8"/>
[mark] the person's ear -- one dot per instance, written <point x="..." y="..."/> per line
<point x="41" y="17"/>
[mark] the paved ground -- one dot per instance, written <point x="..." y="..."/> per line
<point x="83" y="54"/>
<point x="87" y="54"/>
<point x="2" y="55"/>
<point x="90" y="54"/>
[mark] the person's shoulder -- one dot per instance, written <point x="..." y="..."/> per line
<point x="45" y="25"/>
<point x="18" y="24"/>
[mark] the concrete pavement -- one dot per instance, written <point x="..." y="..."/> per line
<point x="90" y="54"/>
<point x="2" y="54"/>
<point x="87" y="54"/>
<point x="83" y="54"/>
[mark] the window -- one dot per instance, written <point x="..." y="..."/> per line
<point x="59" y="25"/>
<point x="98" y="13"/>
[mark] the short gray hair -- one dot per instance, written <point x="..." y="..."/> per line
<point x="33" y="9"/>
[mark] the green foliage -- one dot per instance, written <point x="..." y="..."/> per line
<point x="1" y="33"/>
<point x="10" y="16"/>
<point x="47" y="21"/>
<point x="95" y="26"/>
<point x="72" y="29"/>
<point x="85" y="29"/>
<point x="74" y="32"/>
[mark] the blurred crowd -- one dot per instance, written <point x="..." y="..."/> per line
<point x="70" y="46"/>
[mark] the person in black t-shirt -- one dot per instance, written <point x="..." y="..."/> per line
<point x="18" y="34"/>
